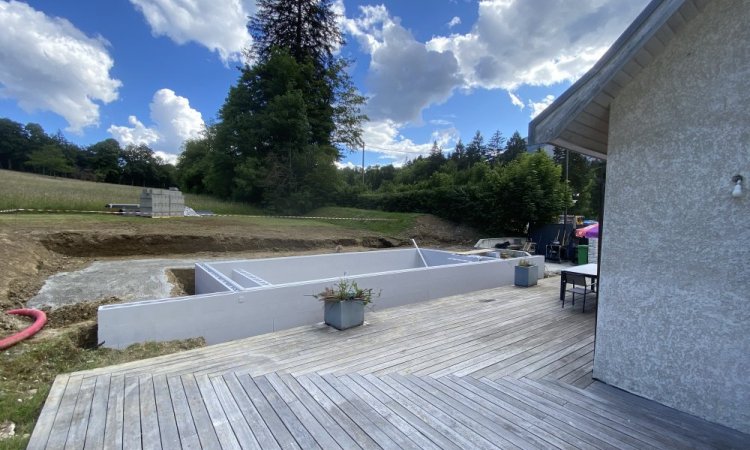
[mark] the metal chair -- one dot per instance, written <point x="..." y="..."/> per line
<point x="580" y="285"/>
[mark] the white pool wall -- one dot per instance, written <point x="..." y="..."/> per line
<point x="233" y="314"/>
<point x="292" y="269"/>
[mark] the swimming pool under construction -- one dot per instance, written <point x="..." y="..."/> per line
<point x="242" y="298"/>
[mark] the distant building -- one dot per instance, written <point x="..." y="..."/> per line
<point x="668" y="107"/>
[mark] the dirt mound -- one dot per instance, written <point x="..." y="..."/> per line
<point x="93" y="244"/>
<point x="24" y="265"/>
<point x="429" y="229"/>
<point x="78" y="312"/>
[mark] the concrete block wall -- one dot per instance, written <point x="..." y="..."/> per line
<point x="162" y="202"/>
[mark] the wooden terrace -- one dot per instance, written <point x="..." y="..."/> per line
<point x="502" y="368"/>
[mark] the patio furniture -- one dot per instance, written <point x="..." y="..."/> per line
<point x="553" y="252"/>
<point x="580" y="286"/>
<point x="587" y="270"/>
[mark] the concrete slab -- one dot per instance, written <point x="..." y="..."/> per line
<point x="131" y="280"/>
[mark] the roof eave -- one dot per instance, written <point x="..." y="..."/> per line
<point x="579" y="118"/>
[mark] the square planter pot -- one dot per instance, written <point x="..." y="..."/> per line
<point x="344" y="314"/>
<point x="526" y="275"/>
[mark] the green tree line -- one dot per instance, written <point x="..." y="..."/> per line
<point x="28" y="148"/>
<point x="497" y="187"/>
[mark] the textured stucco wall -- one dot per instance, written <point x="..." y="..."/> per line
<point x="674" y="309"/>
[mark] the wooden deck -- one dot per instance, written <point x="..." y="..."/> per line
<point x="503" y="368"/>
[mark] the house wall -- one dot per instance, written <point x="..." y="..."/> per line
<point x="674" y="310"/>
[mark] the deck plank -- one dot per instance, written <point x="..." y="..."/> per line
<point x="407" y="415"/>
<point x="654" y="435"/>
<point x="201" y="419"/>
<point x="595" y="428"/>
<point x="544" y="436"/>
<point x="151" y="438"/>
<point x="115" y="413"/>
<point x="354" y="412"/>
<point x="131" y="429"/>
<point x="267" y="412"/>
<point x="353" y="428"/>
<point x="550" y="423"/>
<point x="186" y="430"/>
<point x="98" y="416"/>
<point x="168" y="434"/>
<point x="308" y="420"/>
<point x="46" y="419"/>
<point x="388" y="414"/>
<point x="495" y="368"/>
<point x="468" y="416"/>
<point x="498" y="424"/>
<point x="219" y="420"/>
<point x="331" y="426"/>
<point x="261" y="432"/>
<point x="400" y="438"/>
<point x="236" y="418"/>
<point x="59" y="432"/>
<point x="457" y="432"/>
<point x="291" y="421"/>
<point x="80" y="420"/>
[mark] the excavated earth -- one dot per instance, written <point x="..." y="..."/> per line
<point x="32" y="250"/>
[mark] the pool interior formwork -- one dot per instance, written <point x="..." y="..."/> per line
<point x="242" y="298"/>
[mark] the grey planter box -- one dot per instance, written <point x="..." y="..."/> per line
<point x="526" y="275"/>
<point x="344" y="314"/>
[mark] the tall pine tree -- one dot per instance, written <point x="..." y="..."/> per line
<point x="282" y="124"/>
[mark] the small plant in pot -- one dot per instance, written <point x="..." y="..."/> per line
<point x="344" y="304"/>
<point x="526" y="273"/>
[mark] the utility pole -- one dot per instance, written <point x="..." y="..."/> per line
<point x="363" y="163"/>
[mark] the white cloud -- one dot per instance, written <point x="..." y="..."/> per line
<point x="219" y="25"/>
<point x="515" y="100"/>
<point x="47" y="64"/>
<point x="513" y="43"/>
<point x="175" y="119"/>
<point x="174" y="122"/>
<point x="541" y="105"/>
<point x="169" y="158"/>
<point x="385" y="138"/>
<point x="136" y="134"/>
<point x="536" y="42"/>
<point x="404" y="77"/>
<point x="346" y="165"/>
<point x="454" y="21"/>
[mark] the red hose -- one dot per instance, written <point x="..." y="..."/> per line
<point x="39" y="320"/>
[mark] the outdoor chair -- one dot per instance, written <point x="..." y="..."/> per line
<point x="579" y="285"/>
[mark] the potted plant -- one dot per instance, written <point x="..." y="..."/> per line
<point x="526" y="273"/>
<point x="344" y="304"/>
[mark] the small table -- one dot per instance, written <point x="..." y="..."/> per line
<point x="587" y="270"/>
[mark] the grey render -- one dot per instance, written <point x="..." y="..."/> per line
<point x="669" y="108"/>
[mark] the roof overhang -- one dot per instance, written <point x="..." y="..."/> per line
<point x="579" y="118"/>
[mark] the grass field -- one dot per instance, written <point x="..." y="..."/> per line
<point x="30" y="191"/>
<point x="395" y="223"/>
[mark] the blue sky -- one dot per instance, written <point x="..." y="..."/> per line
<point x="155" y="71"/>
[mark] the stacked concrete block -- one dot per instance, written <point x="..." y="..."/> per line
<point x="162" y="202"/>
